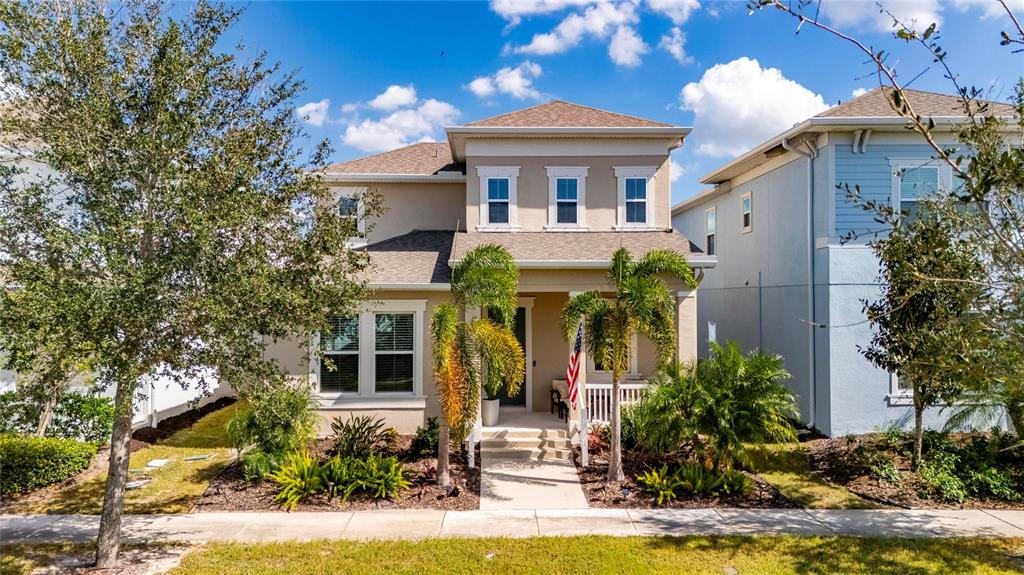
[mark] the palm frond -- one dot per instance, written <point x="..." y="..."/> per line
<point x="487" y="277"/>
<point x="501" y="356"/>
<point x="622" y="266"/>
<point x="579" y="308"/>
<point x="666" y="262"/>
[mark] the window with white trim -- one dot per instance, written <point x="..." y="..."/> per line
<point x="636" y="196"/>
<point x="393" y="353"/>
<point x="339" y="361"/>
<point x="567" y="197"/>
<point x="914" y="180"/>
<point x="746" y="213"/>
<point x="498" y="198"/>
<point x="710" y="225"/>
<point x="598" y="374"/>
<point x="350" y="206"/>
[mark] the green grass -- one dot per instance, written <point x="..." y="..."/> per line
<point x="785" y="466"/>
<point x="174" y="487"/>
<point x="635" y="555"/>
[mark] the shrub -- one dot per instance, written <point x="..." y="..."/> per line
<point x="716" y="406"/>
<point x="82" y="416"/>
<point x="274" y="420"/>
<point x="28" y="463"/>
<point x="341" y="476"/>
<point x="425" y="441"/>
<point x="299" y="478"/>
<point x="360" y="436"/>
<point x="660" y="482"/>
<point x="693" y="479"/>
<point x="383" y="477"/>
<point x="257" y="465"/>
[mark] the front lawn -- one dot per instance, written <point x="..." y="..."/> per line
<point x="173" y="488"/>
<point x="784" y="466"/>
<point x="636" y="555"/>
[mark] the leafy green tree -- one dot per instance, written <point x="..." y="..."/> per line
<point x="716" y="406"/>
<point x="483" y="351"/>
<point x="641" y="304"/>
<point x="164" y="185"/>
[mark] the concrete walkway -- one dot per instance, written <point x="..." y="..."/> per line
<point x="423" y="524"/>
<point x="525" y="464"/>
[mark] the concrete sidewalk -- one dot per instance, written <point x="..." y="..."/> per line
<point x="422" y="524"/>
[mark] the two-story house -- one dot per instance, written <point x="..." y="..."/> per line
<point x="787" y="282"/>
<point x="561" y="186"/>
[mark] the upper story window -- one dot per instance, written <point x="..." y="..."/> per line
<point x="913" y="181"/>
<point x="567" y="198"/>
<point x="636" y="197"/>
<point x="746" y="213"/>
<point x="350" y="206"/>
<point x="498" y="198"/>
<point x="709" y="231"/>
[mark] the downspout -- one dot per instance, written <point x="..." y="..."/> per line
<point x="811" y="153"/>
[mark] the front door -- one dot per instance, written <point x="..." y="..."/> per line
<point x="520" y="329"/>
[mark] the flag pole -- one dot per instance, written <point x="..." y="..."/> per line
<point x="581" y="397"/>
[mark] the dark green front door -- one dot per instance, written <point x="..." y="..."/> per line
<point x="520" y="328"/>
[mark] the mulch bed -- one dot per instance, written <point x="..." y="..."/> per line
<point x="172" y="425"/>
<point x="831" y="457"/>
<point x="230" y="492"/>
<point x="599" y="493"/>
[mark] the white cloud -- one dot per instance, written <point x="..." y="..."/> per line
<point x="918" y="14"/>
<point x="314" y="113"/>
<point x="859" y="92"/>
<point x="677" y="10"/>
<point x="739" y="104"/>
<point x="989" y="8"/>
<point x="394" y="97"/>
<point x="675" y="170"/>
<point x="516" y="82"/>
<point x="675" y="44"/>
<point x="596" y="21"/>
<point x="626" y="47"/>
<point x="349" y="107"/>
<point x="400" y="128"/>
<point x="513" y="10"/>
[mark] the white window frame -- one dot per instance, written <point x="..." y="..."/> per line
<point x="744" y="229"/>
<point x="897" y="165"/>
<point x="622" y="173"/>
<point x="359" y="192"/>
<point x="512" y="174"/>
<point x="368" y="357"/>
<point x="714" y="210"/>
<point x="595" y="376"/>
<point x="556" y="173"/>
<point x="357" y="352"/>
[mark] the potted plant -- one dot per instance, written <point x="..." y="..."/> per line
<point x="490" y="403"/>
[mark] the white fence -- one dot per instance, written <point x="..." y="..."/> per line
<point x="599" y="399"/>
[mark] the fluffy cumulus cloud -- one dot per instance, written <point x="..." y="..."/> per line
<point x="918" y="14"/>
<point x="740" y="104"/>
<point x="598" y="21"/>
<point x="394" y="97"/>
<point x="675" y="170"/>
<point x="314" y="113"/>
<point x="675" y="44"/>
<point x="677" y="10"/>
<point x="516" y="82"/>
<point x="401" y="127"/>
<point x="857" y="92"/>
<point x="990" y="8"/>
<point x="626" y="47"/>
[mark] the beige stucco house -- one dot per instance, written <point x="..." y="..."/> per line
<point x="562" y="186"/>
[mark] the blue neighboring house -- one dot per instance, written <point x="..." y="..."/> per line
<point x="786" y="282"/>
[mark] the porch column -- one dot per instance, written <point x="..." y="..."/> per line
<point x="579" y="422"/>
<point x="473" y="313"/>
<point x="686" y="325"/>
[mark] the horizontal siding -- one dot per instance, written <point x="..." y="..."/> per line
<point x="870" y="171"/>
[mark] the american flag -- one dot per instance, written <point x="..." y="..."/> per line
<point x="572" y="373"/>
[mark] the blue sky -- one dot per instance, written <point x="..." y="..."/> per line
<point x="383" y="74"/>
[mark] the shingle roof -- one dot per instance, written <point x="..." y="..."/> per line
<point x="574" y="246"/>
<point x="417" y="257"/>
<point x="424" y="158"/>
<point x="875" y="104"/>
<point x="561" y="114"/>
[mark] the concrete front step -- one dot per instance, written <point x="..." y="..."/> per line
<point x="525" y="443"/>
<point x="517" y="434"/>
<point x="534" y="454"/>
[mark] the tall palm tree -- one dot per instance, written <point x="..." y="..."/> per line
<point x="467" y="351"/>
<point x="642" y="304"/>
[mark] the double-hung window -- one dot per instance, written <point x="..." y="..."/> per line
<point x="709" y="231"/>
<point x="636" y="196"/>
<point x="916" y="184"/>
<point x="393" y="352"/>
<point x="746" y="213"/>
<point x="339" y="362"/>
<point x="498" y="198"/>
<point x="350" y="208"/>
<point x="567" y="186"/>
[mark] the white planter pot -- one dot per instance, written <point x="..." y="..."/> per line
<point x="489" y="412"/>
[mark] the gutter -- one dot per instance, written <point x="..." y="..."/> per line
<point x="439" y="178"/>
<point x="411" y="286"/>
<point x="697" y="261"/>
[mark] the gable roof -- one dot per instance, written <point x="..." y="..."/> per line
<point x="875" y="104"/>
<point x="562" y="114"/>
<point x="425" y="158"/>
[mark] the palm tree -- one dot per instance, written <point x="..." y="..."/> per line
<point x="467" y="351"/>
<point x="642" y="304"/>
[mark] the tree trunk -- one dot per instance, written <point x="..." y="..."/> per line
<point x="444" y="478"/>
<point x="915" y="461"/>
<point x="46" y="415"/>
<point x="615" y="474"/>
<point x="108" y="544"/>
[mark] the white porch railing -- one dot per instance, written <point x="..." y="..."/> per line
<point x="599" y="399"/>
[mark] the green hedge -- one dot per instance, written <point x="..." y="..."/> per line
<point x="28" y="463"/>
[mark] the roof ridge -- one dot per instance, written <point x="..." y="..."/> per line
<point x="610" y="112"/>
<point x="568" y="103"/>
<point x="503" y="114"/>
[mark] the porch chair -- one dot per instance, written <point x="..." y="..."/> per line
<point x="560" y="389"/>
